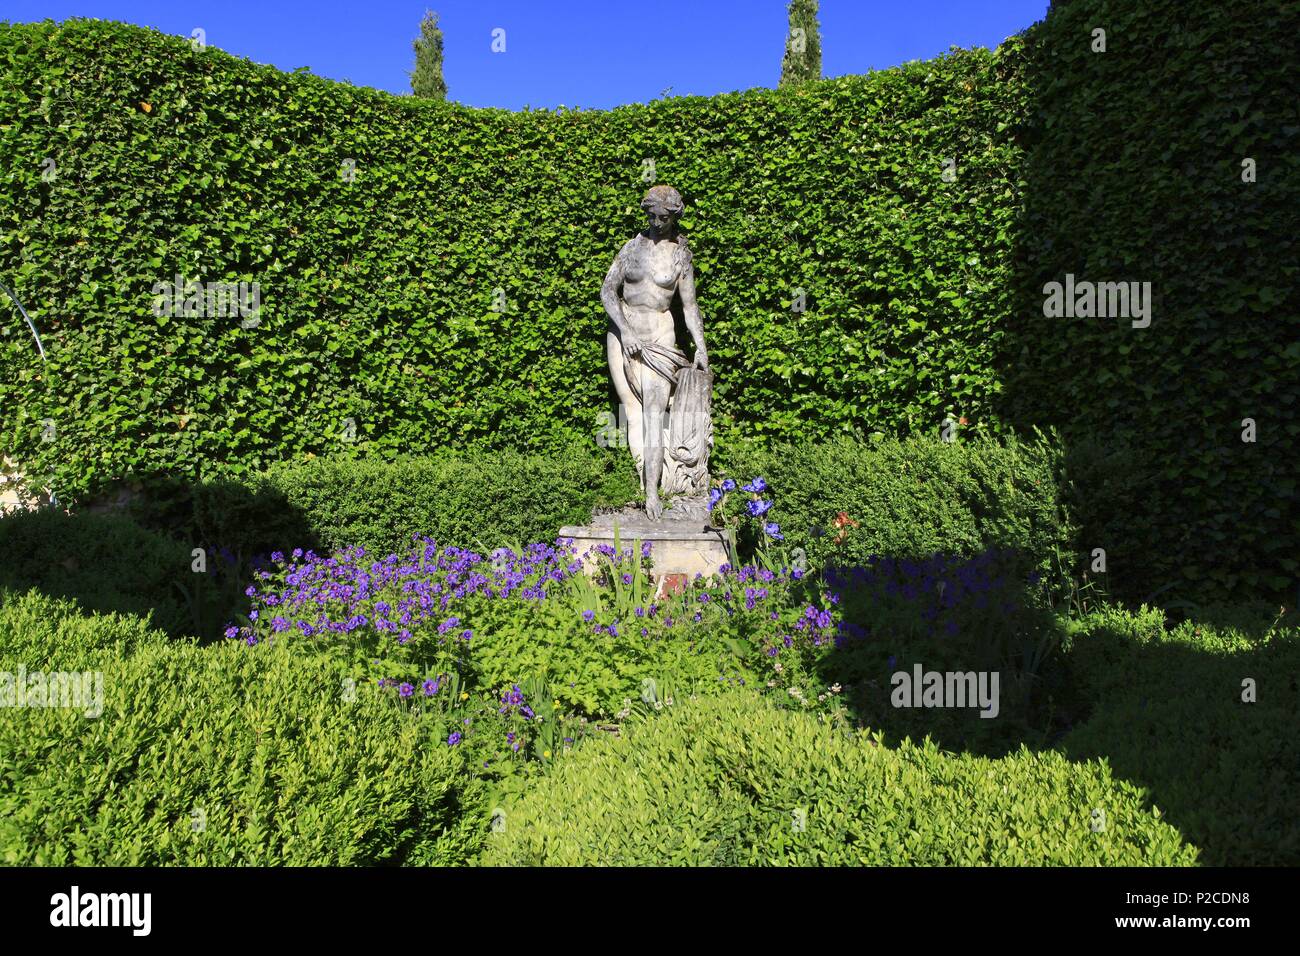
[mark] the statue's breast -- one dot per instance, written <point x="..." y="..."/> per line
<point x="658" y="264"/>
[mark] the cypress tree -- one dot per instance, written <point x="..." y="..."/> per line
<point x="426" y="80"/>
<point x="803" y="46"/>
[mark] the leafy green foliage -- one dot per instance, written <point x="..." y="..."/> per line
<point x="1133" y="171"/>
<point x="378" y="333"/>
<point x="216" y="756"/>
<point x="1165" y="706"/>
<point x="734" y="781"/>
<point x="377" y="292"/>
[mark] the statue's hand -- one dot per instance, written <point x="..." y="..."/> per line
<point x="702" y="360"/>
<point x="631" y="344"/>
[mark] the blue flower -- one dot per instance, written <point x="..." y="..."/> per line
<point x="759" y="507"/>
<point x="729" y="485"/>
<point x="454" y="739"/>
<point x="757" y="486"/>
<point x="773" y="531"/>
<point x="588" y="616"/>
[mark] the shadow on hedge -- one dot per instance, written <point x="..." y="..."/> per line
<point x="1163" y="706"/>
<point x="1167" y="213"/>
<point x="176" y="552"/>
<point x="1169" y="716"/>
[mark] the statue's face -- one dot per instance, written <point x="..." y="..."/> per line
<point x="661" y="221"/>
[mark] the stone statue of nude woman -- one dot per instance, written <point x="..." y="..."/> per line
<point x="665" y="394"/>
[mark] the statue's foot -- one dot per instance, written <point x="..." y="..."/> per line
<point x="654" y="509"/>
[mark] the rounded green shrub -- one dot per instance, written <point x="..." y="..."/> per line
<point x="225" y="755"/>
<point x="107" y="562"/>
<point x="735" y="781"/>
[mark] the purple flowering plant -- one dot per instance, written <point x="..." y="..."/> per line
<point x="743" y="513"/>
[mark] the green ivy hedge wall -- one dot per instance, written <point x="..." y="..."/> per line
<point x="377" y="294"/>
<point x="385" y="234"/>
<point x="1133" y="171"/>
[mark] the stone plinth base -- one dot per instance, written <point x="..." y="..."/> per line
<point x="681" y="543"/>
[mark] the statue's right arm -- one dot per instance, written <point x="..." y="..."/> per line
<point x="609" y="298"/>
<point x="609" y="294"/>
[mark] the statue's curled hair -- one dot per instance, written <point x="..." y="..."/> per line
<point x="666" y="197"/>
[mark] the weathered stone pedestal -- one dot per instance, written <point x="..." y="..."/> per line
<point x="681" y="542"/>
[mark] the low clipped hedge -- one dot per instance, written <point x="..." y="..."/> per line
<point x="916" y="497"/>
<point x="107" y="562"/>
<point x="465" y="498"/>
<point x="259" y="744"/>
<point x="721" y="781"/>
<point x="1165" y="707"/>
<point x="911" y="498"/>
<point x="478" y="498"/>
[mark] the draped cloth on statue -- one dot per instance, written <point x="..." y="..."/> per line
<point x="688" y="437"/>
<point x="663" y="360"/>
<point x="690" y="434"/>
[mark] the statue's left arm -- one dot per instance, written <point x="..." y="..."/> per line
<point x="691" y="311"/>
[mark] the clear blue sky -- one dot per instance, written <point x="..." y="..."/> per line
<point x="588" y="53"/>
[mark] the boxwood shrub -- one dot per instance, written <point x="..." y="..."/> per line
<point x="222" y="755"/>
<point x="1164" y="705"/>
<point x="916" y="497"/>
<point x="469" y="499"/>
<point x="735" y="781"/>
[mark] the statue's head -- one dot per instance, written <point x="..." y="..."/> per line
<point x="663" y="206"/>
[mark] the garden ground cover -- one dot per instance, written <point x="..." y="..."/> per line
<point x="380" y="708"/>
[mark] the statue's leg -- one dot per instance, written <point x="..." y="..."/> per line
<point x="630" y="412"/>
<point x="656" y="392"/>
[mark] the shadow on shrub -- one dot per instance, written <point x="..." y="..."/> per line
<point x="140" y="558"/>
<point x="1166" y="710"/>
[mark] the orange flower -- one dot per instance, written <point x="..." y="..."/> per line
<point x="962" y="421"/>
<point x="843" y="520"/>
<point x="147" y="107"/>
